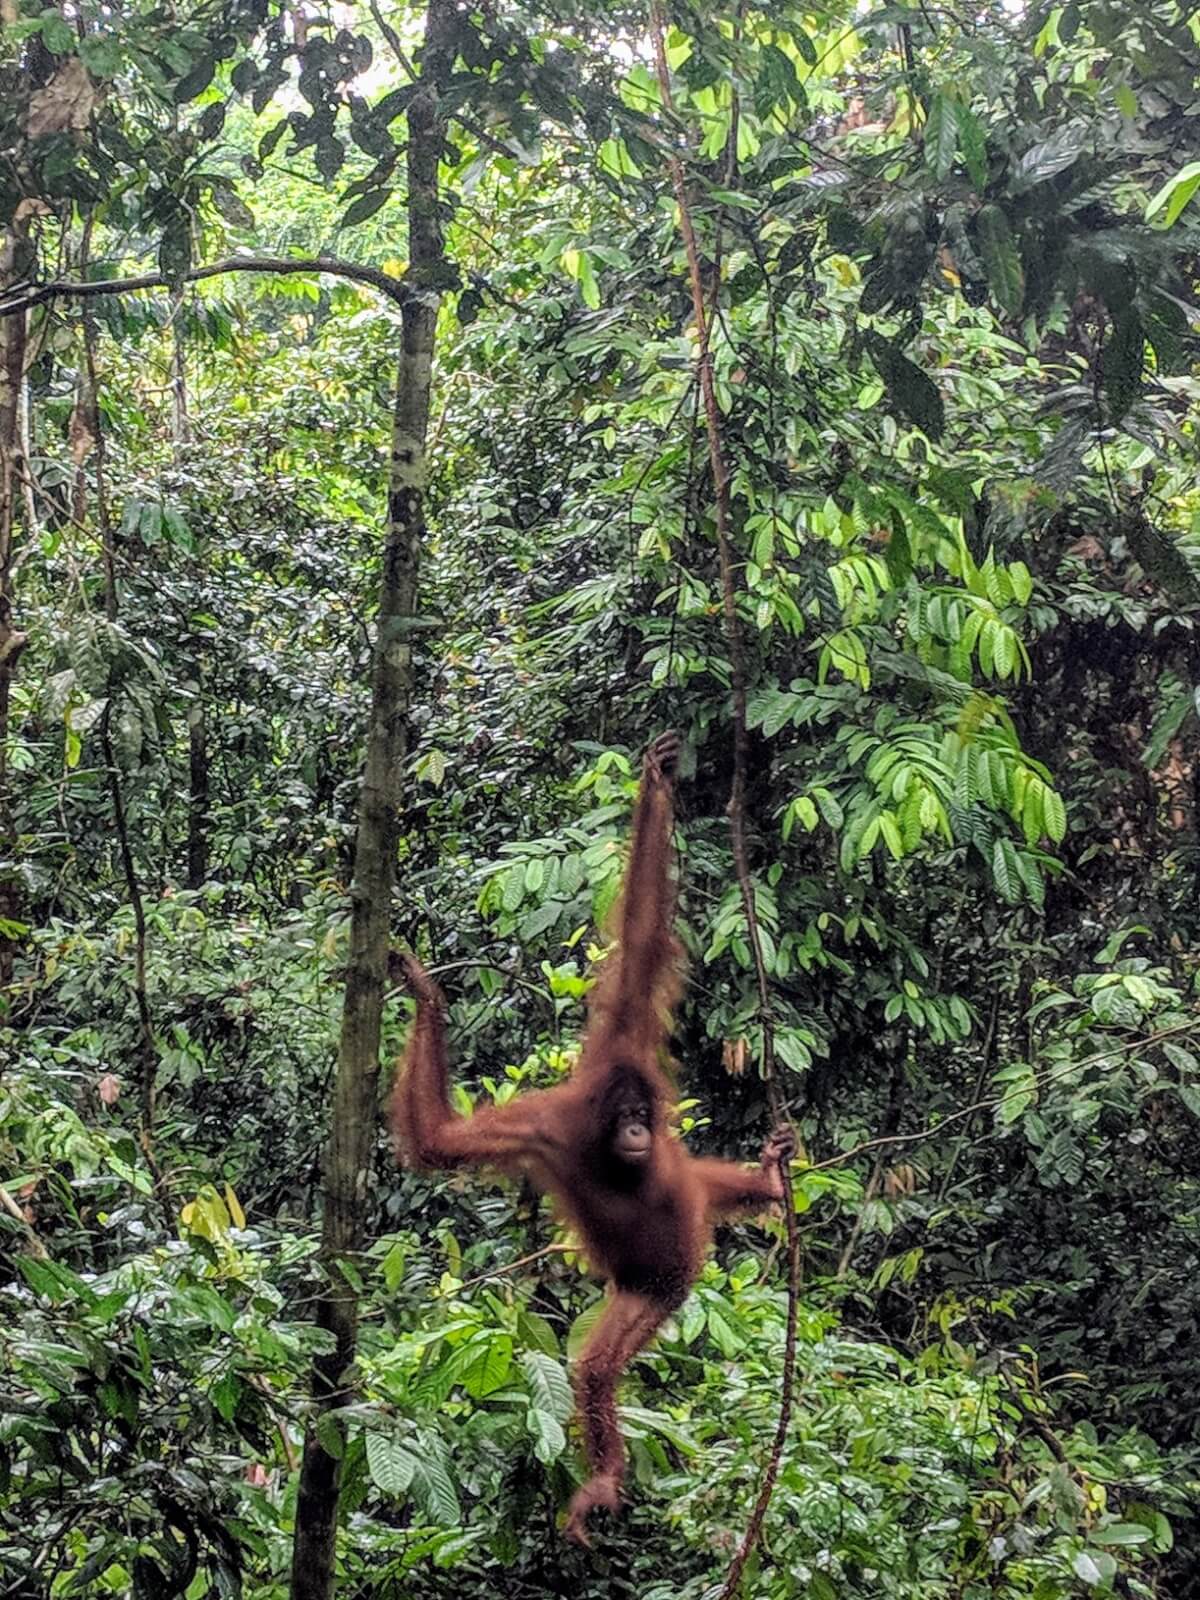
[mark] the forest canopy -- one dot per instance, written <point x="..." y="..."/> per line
<point x="408" y="413"/>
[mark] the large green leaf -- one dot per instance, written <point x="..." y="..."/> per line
<point x="911" y="391"/>
<point x="1000" y="256"/>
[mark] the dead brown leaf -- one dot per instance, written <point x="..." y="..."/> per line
<point x="65" y="104"/>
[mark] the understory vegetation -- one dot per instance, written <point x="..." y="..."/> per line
<point x="350" y="424"/>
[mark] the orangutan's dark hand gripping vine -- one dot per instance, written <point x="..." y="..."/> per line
<point x="600" y="1144"/>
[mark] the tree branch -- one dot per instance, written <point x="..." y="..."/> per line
<point x="25" y="296"/>
<point x="1052" y="1074"/>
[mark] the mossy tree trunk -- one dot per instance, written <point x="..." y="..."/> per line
<point x="349" y="1157"/>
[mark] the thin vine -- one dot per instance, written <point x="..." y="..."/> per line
<point x="736" y="809"/>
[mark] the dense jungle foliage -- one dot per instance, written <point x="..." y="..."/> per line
<point x="950" y="258"/>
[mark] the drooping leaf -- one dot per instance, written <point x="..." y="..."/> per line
<point x="365" y="206"/>
<point x="1005" y="871"/>
<point x="972" y="141"/>
<point x="232" y="207"/>
<point x="941" y="135"/>
<point x="391" y="1464"/>
<point x="195" y="82"/>
<point x="486" y="1362"/>
<point x="435" y="1491"/>
<point x="898" y="553"/>
<point x="1001" y="258"/>
<point x="911" y="391"/>
<point x="1124" y="355"/>
<point x="175" y="250"/>
<point x="549" y="1385"/>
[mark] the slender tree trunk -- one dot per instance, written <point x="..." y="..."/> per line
<point x="348" y="1160"/>
<point x="197" y="722"/>
<point x="25" y="449"/>
<point x="198" y="785"/>
<point x="91" y="438"/>
<point x="14" y="248"/>
<point x="181" y="428"/>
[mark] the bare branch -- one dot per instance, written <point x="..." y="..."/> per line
<point x="25" y="296"/>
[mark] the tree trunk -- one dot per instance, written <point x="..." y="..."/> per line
<point x="14" y="264"/>
<point x="197" y="839"/>
<point x="181" y="428"/>
<point x="348" y="1159"/>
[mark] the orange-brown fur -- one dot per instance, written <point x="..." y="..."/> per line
<point x="645" y="1218"/>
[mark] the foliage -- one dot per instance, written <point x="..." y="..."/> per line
<point x="953" y="270"/>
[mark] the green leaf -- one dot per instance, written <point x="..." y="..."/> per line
<point x="391" y="1465"/>
<point x="1179" y="1058"/>
<point x="801" y="810"/>
<point x="269" y="140"/>
<point x="225" y="1394"/>
<point x="1094" y="1566"/>
<point x="972" y="141"/>
<point x="549" y="1439"/>
<point x="329" y="158"/>
<point x="806" y="47"/>
<point x="1031" y="877"/>
<point x="1005" y="870"/>
<point x="722" y="1334"/>
<point x="1122" y="1533"/>
<point x="102" y="56"/>
<point x="829" y="806"/>
<point x="392" y="1268"/>
<point x="1055" y="814"/>
<point x="898" y="552"/>
<point x="48" y="1279"/>
<point x="1166" y="326"/>
<point x="1022" y="582"/>
<point x="365" y="206"/>
<point x="534" y="1330"/>
<point x="175" y="250"/>
<point x="941" y="136"/>
<point x="777" y="81"/>
<point x="589" y="288"/>
<point x="1123" y="359"/>
<point x="232" y="207"/>
<point x="329" y="1431"/>
<point x="582" y="1327"/>
<point x="195" y="82"/>
<point x="435" y="1491"/>
<point x="1176" y="193"/>
<point x="1053" y="155"/>
<point x="513" y="891"/>
<point x="1176" y="701"/>
<point x="1000" y="256"/>
<point x="891" y="834"/>
<point x="549" y="1386"/>
<point x="910" y="390"/>
<point x="484" y="1364"/>
<point x="57" y="34"/>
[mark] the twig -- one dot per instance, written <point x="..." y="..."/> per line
<point x="257" y="1381"/>
<point x="558" y="1248"/>
<point x="1049" y="1075"/>
<point x="488" y="140"/>
<point x="36" y="1247"/>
